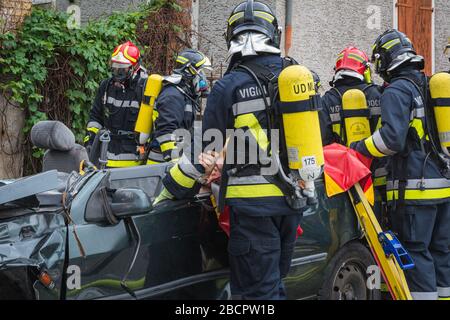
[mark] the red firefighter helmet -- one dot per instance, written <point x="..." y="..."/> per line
<point x="351" y="58"/>
<point x="125" y="61"/>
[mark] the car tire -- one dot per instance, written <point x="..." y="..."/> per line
<point x="346" y="275"/>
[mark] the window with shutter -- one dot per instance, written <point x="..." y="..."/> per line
<point x="415" y="18"/>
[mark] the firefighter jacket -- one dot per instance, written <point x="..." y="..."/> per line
<point x="332" y="120"/>
<point x="414" y="173"/>
<point x="116" y="108"/>
<point x="174" y="109"/>
<point x="236" y="102"/>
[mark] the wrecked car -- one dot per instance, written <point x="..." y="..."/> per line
<point x="96" y="235"/>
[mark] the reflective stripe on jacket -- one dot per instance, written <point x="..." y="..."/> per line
<point x="402" y="138"/>
<point x="235" y="102"/>
<point x="173" y="111"/>
<point x="116" y="108"/>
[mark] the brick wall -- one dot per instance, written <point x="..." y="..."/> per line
<point x="12" y="13"/>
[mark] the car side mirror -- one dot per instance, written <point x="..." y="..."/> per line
<point x="128" y="202"/>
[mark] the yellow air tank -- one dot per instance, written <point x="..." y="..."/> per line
<point x="144" y="123"/>
<point x="356" y="116"/>
<point x="440" y="93"/>
<point x="301" y="123"/>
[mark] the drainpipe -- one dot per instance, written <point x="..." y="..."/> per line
<point x="288" y="27"/>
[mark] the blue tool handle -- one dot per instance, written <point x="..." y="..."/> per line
<point x="392" y="246"/>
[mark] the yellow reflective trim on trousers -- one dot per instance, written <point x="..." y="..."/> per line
<point x="430" y="194"/>
<point x="372" y="149"/>
<point x="250" y="121"/>
<point x="337" y="129"/>
<point x="418" y="125"/>
<point x="253" y="191"/>
<point x="180" y="178"/>
<point x="122" y="163"/>
<point x="379" y="182"/>
<point x="93" y="129"/>
<point x="167" y="146"/>
<point x="444" y="299"/>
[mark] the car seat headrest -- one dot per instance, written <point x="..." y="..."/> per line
<point x="52" y="135"/>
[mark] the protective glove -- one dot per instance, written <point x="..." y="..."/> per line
<point x="164" y="195"/>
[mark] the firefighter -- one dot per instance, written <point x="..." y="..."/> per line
<point x="418" y="192"/>
<point x="116" y="107"/>
<point x="176" y="105"/>
<point x="352" y="71"/>
<point x="263" y="225"/>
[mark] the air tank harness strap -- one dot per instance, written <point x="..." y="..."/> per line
<point x="441" y="101"/>
<point x="261" y="73"/>
<point x="313" y="104"/>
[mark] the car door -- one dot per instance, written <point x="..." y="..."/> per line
<point x="181" y="251"/>
<point x="326" y="226"/>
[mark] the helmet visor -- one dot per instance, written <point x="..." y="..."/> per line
<point x="121" y="71"/>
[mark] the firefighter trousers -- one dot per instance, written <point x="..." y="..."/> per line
<point x="260" y="253"/>
<point x="425" y="232"/>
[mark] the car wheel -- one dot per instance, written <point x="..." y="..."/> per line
<point x="346" y="275"/>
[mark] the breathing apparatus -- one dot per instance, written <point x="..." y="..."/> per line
<point x="356" y="116"/>
<point x="299" y="105"/>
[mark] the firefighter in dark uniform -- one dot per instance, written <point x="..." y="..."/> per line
<point x="418" y="192"/>
<point x="263" y="226"/>
<point x="116" y="107"/>
<point x="352" y="71"/>
<point x="177" y="104"/>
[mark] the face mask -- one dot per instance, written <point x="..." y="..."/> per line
<point x="121" y="73"/>
<point x="201" y="85"/>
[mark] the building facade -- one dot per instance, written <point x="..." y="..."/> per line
<point x="322" y="28"/>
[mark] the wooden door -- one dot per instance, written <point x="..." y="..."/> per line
<point x="415" y="18"/>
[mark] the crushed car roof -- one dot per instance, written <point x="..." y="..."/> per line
<point x="27" y="188"/>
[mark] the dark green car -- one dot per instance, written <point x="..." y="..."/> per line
<point x="102" y="229"/>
